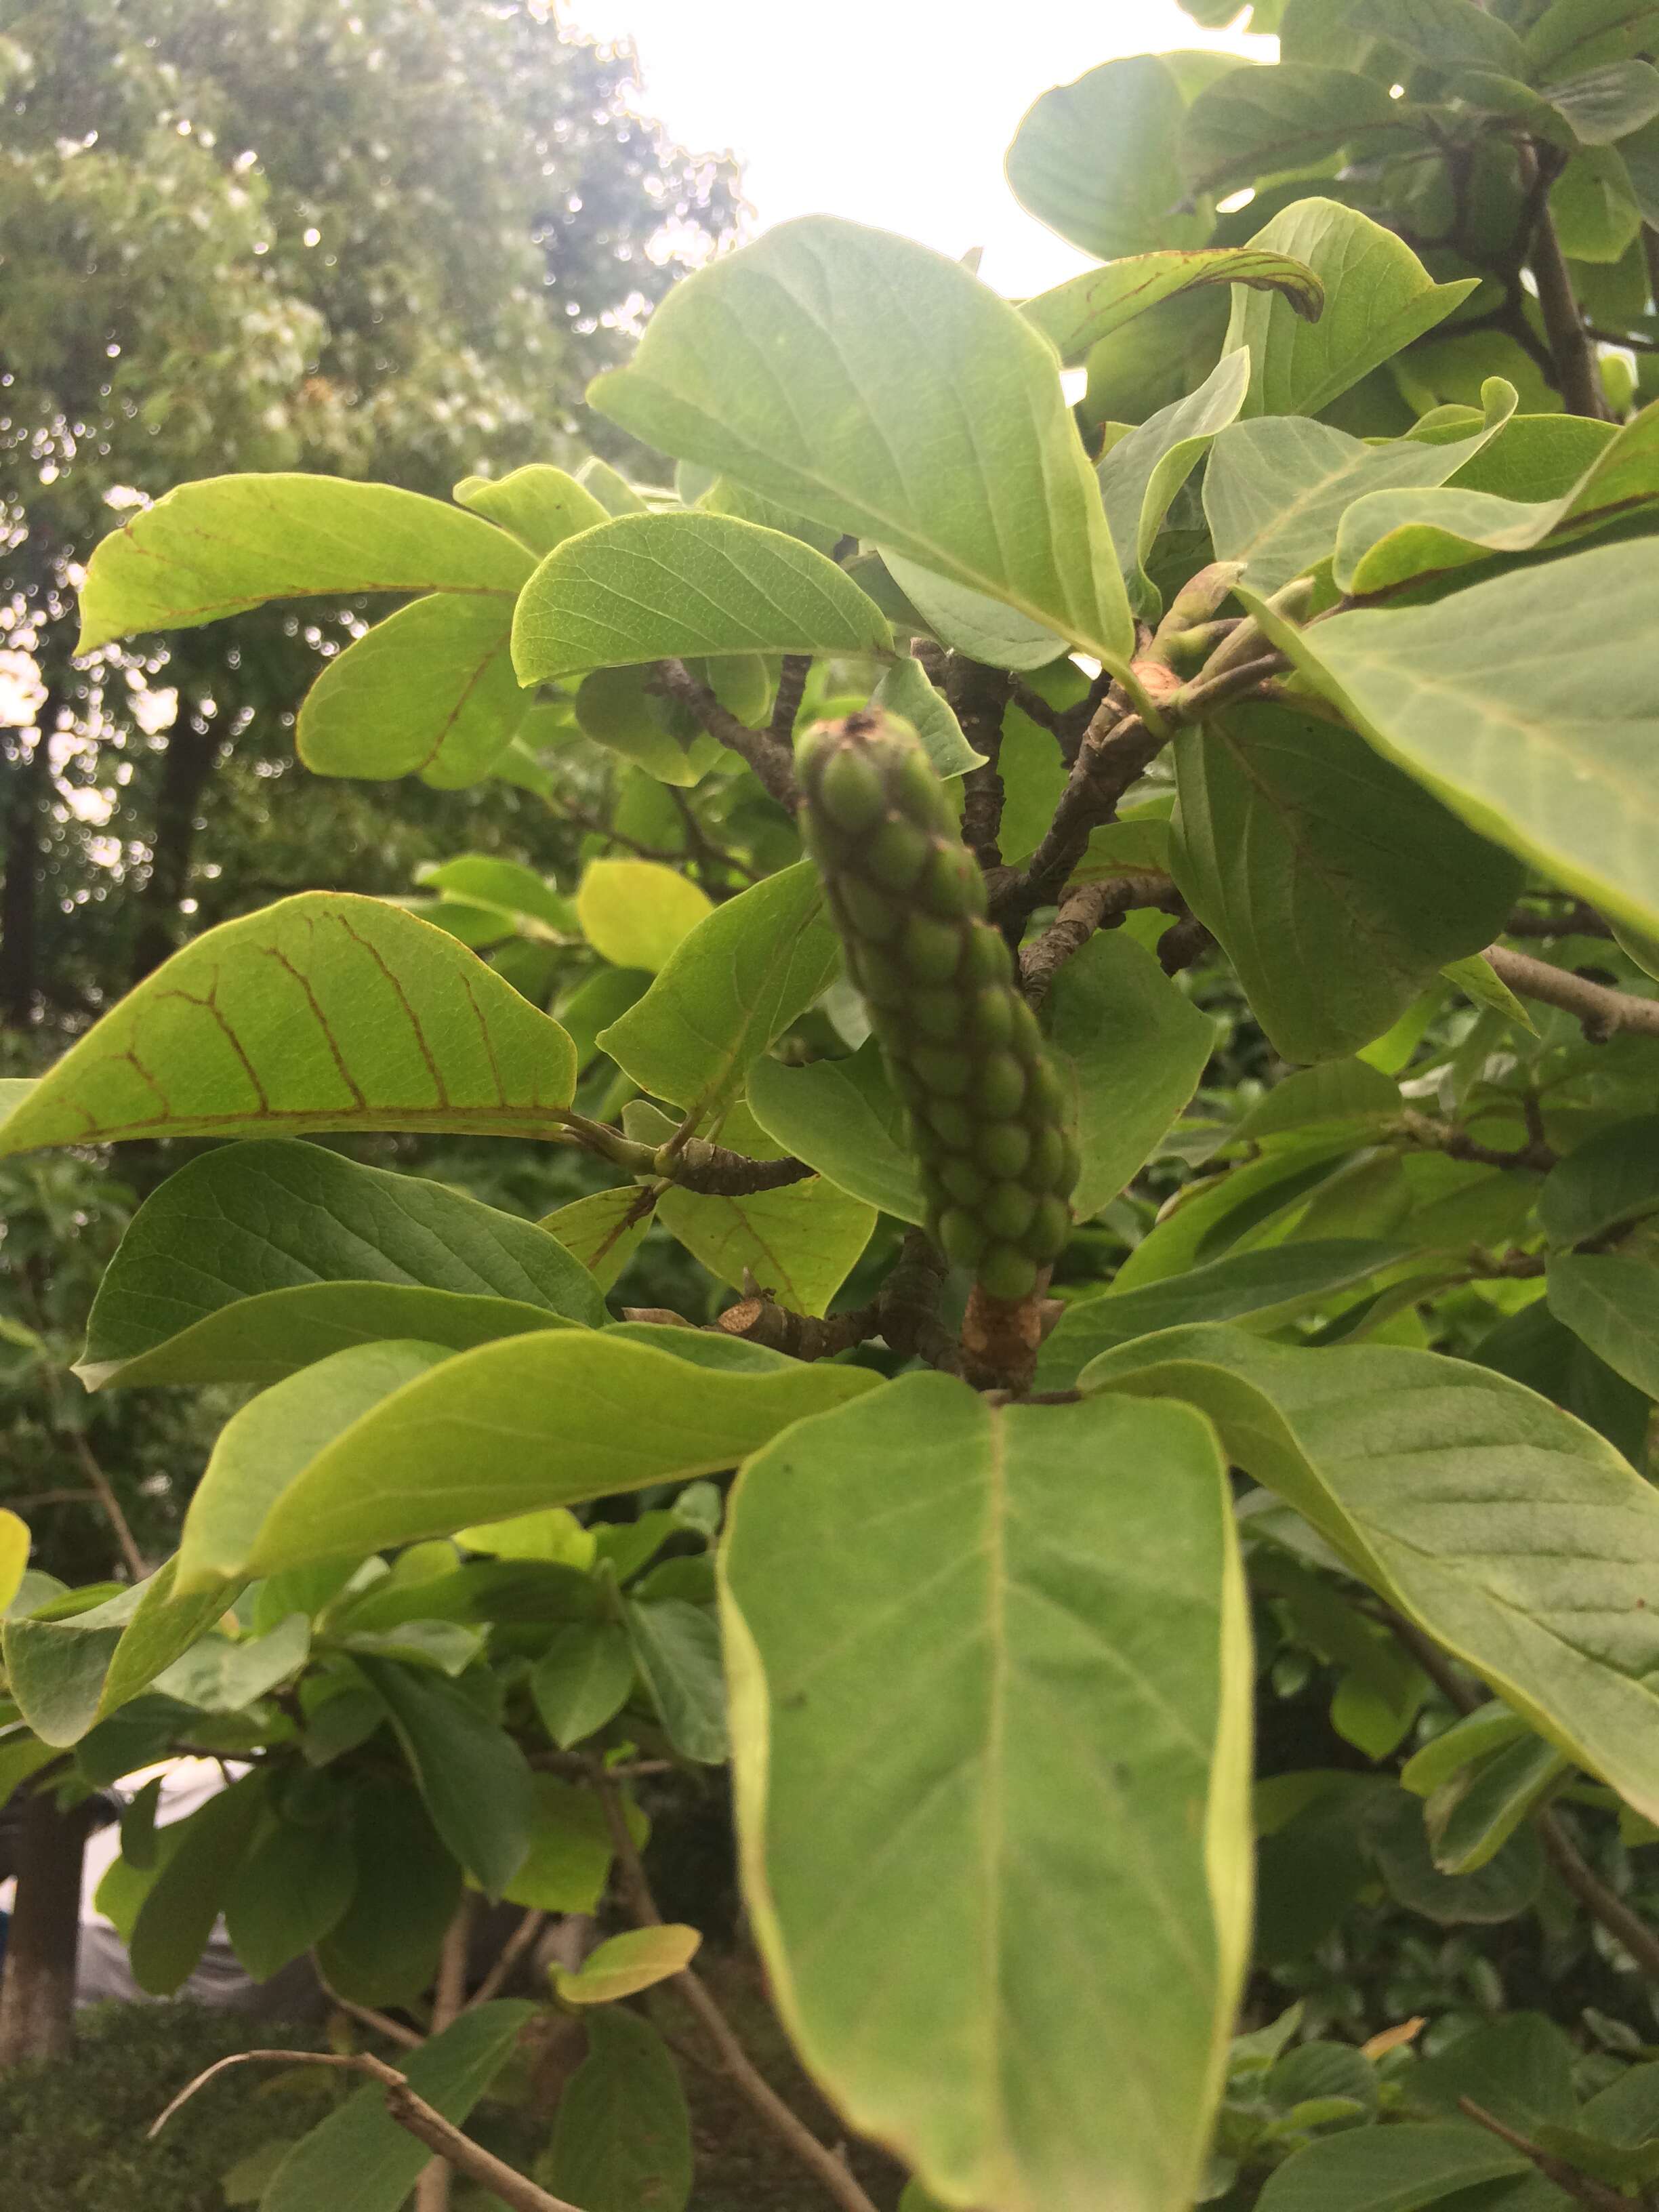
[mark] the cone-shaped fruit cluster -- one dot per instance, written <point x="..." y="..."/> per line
<point x="961" y="1043"/>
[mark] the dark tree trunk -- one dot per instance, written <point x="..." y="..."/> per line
<point x="24" y="797"/>
<point x="37" y="1990"/>
<point x="189" y="760"/>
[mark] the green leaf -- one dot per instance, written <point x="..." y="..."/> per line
<point x="1078" y="313"/>
<point x="1129" y="1050"/>
<point x="189" y="1892"/>
<point x="324" y="1011"/>
<point x="731" y="989"/>
<point x="1575" y="34"/>
<point x="1097" y="161"/>
<point x="1519" y="2069"/>
<point x="1471" y="1817"/>
<point x="981" y="2065"/>
<point x="635" y="912"/>
<point x="874" y="347"/>
<point x="1477" y="979"/>
<point x="613" y="492"/>
<point x="1388" y="2169"/>
<point x="799" y="1242"/>
<point x="1612" y="1304"/>
<point x="65" y="1674"/>
<point x="1506" y="700"/>
<point x="229" y="543"/>
<point x="359" y="2160"/>
<point x="568" y="1862"/>
<point x="1604" y="104"/>
<point x="622" y="2138"/>
<point x="637" y="1960"/>
<point x="601" y="1232"/>
<point x="843" y="1118"/>
<point x="554" y="1534"/>
<point x="678" y="1646"/>
<point x="1378" y="298"/>
<point x="1142" y="473"/>
<point x="342" y="1459"/>
<point x="1391" y="536"/>
<point x="1254" y="122"/>
<point x="384" y="1950"/>
<point x="1278" y="488"/>
<point x="541" y="506"/>
<point x="973" y="623"/>
<point x="905" y="689"/>
<point x="265" y="1445"/>
<point x="1512" y="1533"/>
<point x="290" y="1891"/>
<point x="1610" y="1179"/>
<point x="222" y="1673"/>
<point x="1293" y="840"/>
<point x="258" y="1258"/>
<point x="649" y="586"/>
<point x="431" y="691"/>
<point x="473" y="1777"/>
<point x="1260" y="1288"/>
<point x="582" y="1679"/>
<point x="1450" y="35"/>
<point x="490" y="881"/>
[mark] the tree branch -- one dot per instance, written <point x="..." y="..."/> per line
<point x="1603" y="1012"/>
<point x="1576" y="376"/>
<point x="979" y="696"/>
<point x="699" y="1165"/>
<point x="1564" y="2175"/>
<point x="1085" y="909"/>
<point x="789" y="2127"/>
<point x="511" y="1952"/>
<point x="515" y="2190"/>
<point x="1440" y="1137"/>
<point x="771" y="760"/>
<point x="785" y="703"/>
<point x="382" y="2023"/>
<point x="137" y="1565"/>
<point x="800" y="1336"/>
<point x="1578" y="920"/>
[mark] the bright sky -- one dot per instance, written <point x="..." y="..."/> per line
<point x="890" y="112"/>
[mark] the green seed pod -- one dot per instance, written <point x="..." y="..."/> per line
<point x="985" y="1110"/>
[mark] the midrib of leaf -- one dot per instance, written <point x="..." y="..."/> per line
<point x="995" y="1812"/>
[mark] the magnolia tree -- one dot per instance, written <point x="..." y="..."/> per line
<point x="964" y="741"/>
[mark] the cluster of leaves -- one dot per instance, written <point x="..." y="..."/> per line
<point x="1226" y="675"/>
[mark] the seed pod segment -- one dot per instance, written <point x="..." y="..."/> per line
<point x="961" y="1044"/>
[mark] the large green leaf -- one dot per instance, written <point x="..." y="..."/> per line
<point x="429" y="691"/>
<point x="473" y="1777"/>
<point x="1078" y="313"/>
<point x="1508" y="701"/>
<point x="678" y="1645"/>
<point x="1395" y="2169"/>
<point x="1256" y="121"/>
<point x="294" y="1886"/>
<point x="819" y="362"/>
<point x="730" y="989"/>
<point x="1015" y="1762"/>
<point x="635" y="912"/>
<point x="384" y="1947"/>
<point x="187" y="1896"/>
<point x="256" y="1258"/>
<point x="1261" y="1288"/>
<point x="1378" y="297"/>
<point x="1576" y="34"/>
<point x="1292" y="839"/>
<point x="1448" y="34"/>
<point x="971" y="621"/>
<point x="905" y="688"/>
<point x="359" y="2160"/>
<point x="1391" y="537"/>
<point x="228" y="543"/>
<point x="1610" y="1180"/>
<point x="388" y="1444"/>
<point x="646" y="587"/>
<point x="844" y="1118"/>
<point x="67" y="1674"/>
<point x="1129" y="1051"/>
<point x="1097" y="161"/>
<point x="798" y="1243"/>
<point x="1612" y="1303"/>
<point x="622" y="2136"/>
<point x="1512" y="1533"/>
<point x="1278" y="488"/>
<point x="324" y="1011"/>
<point x="1141" y="475"/>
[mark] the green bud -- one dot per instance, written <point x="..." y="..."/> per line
<point x="986" y="1110"/>
<point x="850" y="791"/>
<point x="1005" y="1274"/>
<point x="1008" y="1211"/>
<point x="1001" y="1087"/>
<point x="931" y="950"/>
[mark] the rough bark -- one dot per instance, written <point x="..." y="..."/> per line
<point x="37" y="1990"/>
